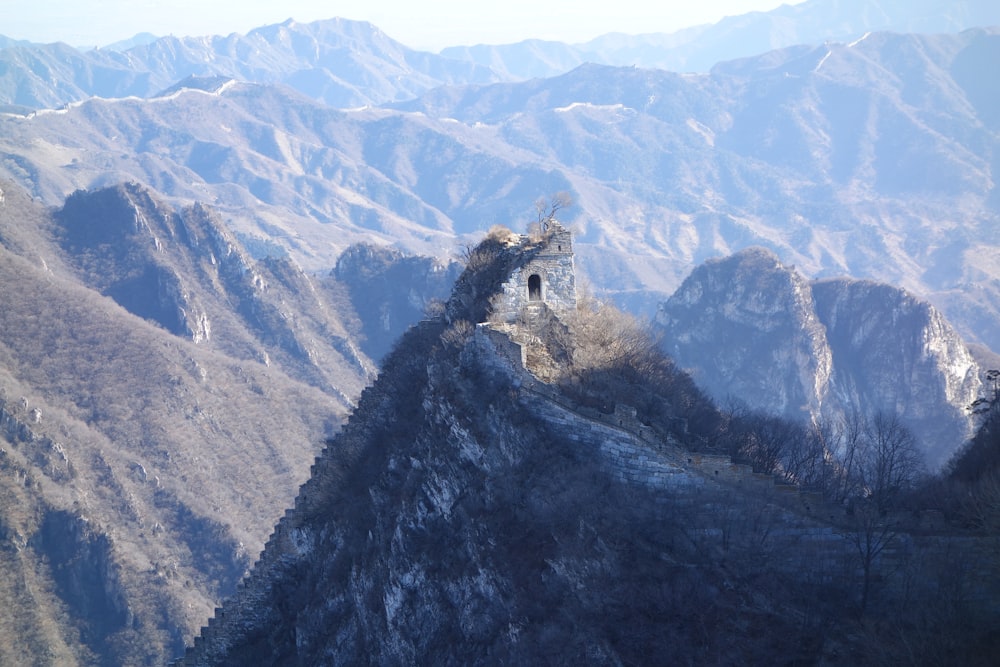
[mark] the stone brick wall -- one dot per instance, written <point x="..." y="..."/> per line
<point x="550" y="277"/>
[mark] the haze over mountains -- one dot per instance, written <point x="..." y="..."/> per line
<point x="873" y="159"/>
<point x="699" y="48"/>
<point x="202" y="246"/>
<point x="351" y="63"/>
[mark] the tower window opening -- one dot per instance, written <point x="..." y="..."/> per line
<point x="534" y="287"/>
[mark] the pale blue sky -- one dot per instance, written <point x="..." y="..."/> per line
<point x="429" y="25"/>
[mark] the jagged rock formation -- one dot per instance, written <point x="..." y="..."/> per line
<point x="751" y="329"/>
<point x="468" y="513"/>
<point x="755" y="320"/>
<point x="186" y="272"/>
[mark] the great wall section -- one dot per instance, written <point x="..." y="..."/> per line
<point x="725" y="502"/>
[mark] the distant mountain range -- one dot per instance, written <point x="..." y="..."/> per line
<point x="873" y="159"/>
<point x="342" y="63"/>
<point x="347" y="63"/>
<point x="699" y="48"/>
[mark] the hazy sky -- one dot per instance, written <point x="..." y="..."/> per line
<point x="426" y="25"/>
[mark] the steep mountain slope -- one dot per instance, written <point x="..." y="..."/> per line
<point x="188" y="274"/>
<point x="873" y="159"/>
<point x="469" y="513"/>
<point x="343" y="63"/>
<point x="751" y="329"/>
<point x="140" y="463"/>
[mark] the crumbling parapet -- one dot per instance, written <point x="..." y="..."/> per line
<point x="548" y="278"/>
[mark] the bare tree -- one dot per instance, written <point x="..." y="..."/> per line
<point x="873" y="532"/>
<point x="767" y="441"/>
<point x="809" y="461"/>
<point x="982" y="504"/>
<point x="546" y="209"/>
<point x="607" y="338"/>
<point x="881" y="462"/>
<point x="891" y="461"/>
<point x="851" y="438"/>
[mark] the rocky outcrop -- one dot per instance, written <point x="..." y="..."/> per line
<point x="896" y="353"/>
<point x="751" y="329"/>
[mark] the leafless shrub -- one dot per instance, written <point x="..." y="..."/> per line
<point x="982" y="504"/>
<point x="458" y="333"/>
<point x="608" y="339"/>
<point x="547" y="209"/>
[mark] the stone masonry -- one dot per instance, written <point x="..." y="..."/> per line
<point x="549" y="277"/>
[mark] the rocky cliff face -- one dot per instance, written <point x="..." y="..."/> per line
<point x="752" y="324"/>
<point x="896" y="353"/>
<point x="752" y="329"/>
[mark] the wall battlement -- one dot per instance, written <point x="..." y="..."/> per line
<point x="549" y="277"/>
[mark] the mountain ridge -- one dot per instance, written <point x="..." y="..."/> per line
<point x="344" y="63"/>
<point x="470" y="512"/>
<point x="140" y="467"/>
<point x="695" y="48"/>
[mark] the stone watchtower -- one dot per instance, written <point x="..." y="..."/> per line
<point x="548" y="278"/>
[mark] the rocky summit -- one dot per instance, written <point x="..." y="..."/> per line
<point x="471" y="513"/>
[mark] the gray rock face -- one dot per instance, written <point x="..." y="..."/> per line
<point x="896" y="353"/>
<point x="756" y="331"/>
<point x="751" y="325"/>
<point x="186" y="272"/>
